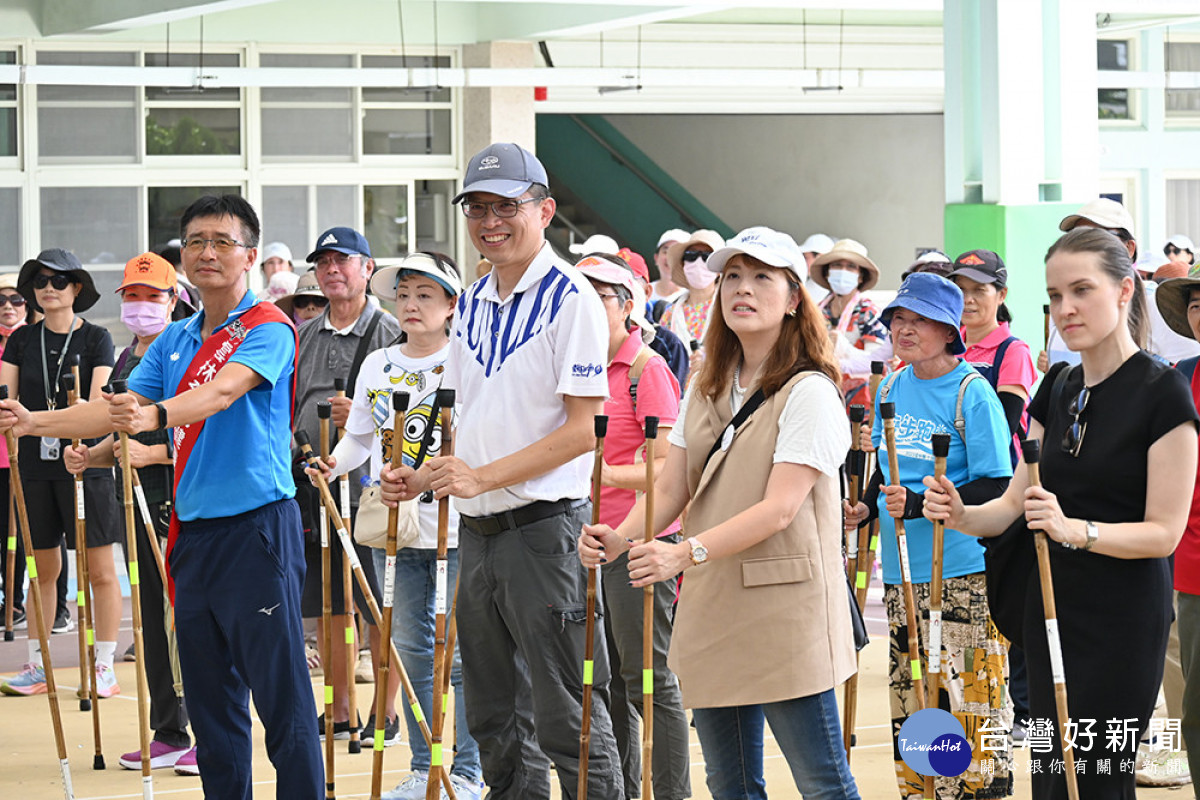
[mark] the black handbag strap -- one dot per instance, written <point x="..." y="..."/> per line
<point x="748" y="408"/>
<point x="364" y="345"/>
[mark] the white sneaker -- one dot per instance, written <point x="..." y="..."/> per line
<point x="106" y="681"/>
<point x="411" y="788"/>
<point x="465" y="789"/>
<point x="1162" y="767"/>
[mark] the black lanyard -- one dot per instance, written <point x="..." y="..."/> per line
<point x="51" y="401"/>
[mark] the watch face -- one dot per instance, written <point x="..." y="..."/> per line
<point x="699" y="552"/>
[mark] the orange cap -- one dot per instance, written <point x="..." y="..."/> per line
<point x="149" y="269"/>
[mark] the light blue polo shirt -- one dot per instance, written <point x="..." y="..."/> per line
<point x="242" y="458"/>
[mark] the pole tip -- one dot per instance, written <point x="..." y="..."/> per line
<point x="445" y="398"/>
<point x="399" y="402"/>
<point x="887" y="410"/>
<point x="324" y="409"/>
<point x="339" y="384"/>
<point x="651" y="427"/>
<point x="85" y="704"/>
<point x="876" y="367"/>
<point x="120" y="386"/>
<point x="8" y="636"/>
<point x="858" y="413"/>
<point x="98" y="761"/>
<point x="1031" y="450"/>
<point x="601" y="423"/>
<point x="941" y="444"/>
<point x="355" y="748"/>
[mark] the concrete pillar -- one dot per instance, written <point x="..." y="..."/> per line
<point x="499" y="114"/>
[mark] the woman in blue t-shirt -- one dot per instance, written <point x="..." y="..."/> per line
<point x="937" y="393"/>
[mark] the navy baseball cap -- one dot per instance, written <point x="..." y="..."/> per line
<point x="343" y="240"/>
<point x="503" y="168"/>
<point x="934" y="298"/>
<point x="981" y="266"/>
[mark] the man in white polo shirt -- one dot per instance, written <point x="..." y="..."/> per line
<point x="527" y="355"/>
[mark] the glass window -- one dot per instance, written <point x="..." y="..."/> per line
<point x="424" y="131"/>
<point x="285" y="218"/>
<point x="336" y="206"/>
<point x="97" y="224"/>
<point x="166" y="204"/>
<point x="386" y="94"/>
<point x="435" y="222"/>
<point x="1182" y="57"/>
<point x="186" y="121"/>
<point x="10" y="227"/>
<point x="385" y="220"/>
<point x="1114" y="103"/>
<point x="87" y="123"/>
<point x="1183" y="209"/>
<point x="304" y="123"/>
<point x="8" y="110"/>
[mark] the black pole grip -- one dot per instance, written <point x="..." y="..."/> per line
<point x="68" y="382"/>
<point x="651" y="427"/>
<point x="1031" y="449"/>
<point x="445" y="398"/>
<point x="3" y="392"/>
<point x="339" y="384"/>
<point x="601" y="424"/>
<point x="694" y="344"/>
<point x="876" y="367"/>
<point x="941" y="444"/>
<point x="73" y="360"/>
<point x="858" y="413"/>
<point x="887" y="410"/>
<point x="399" y="401"/>
<point x="120" y="386"/>
<point x="324" y="409"/>
<point x="1046" y="309"/>
<point x="302" y="442"/>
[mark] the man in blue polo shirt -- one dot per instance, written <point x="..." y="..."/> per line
<point x="223" y="379"/>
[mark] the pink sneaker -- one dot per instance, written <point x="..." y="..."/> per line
<point x="186" y="764"/>
<point x="106" y="683"/>
<point x="161" y="755"/>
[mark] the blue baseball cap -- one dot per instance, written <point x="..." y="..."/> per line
<point x="933" y="297"/>
<point x="503" y="168"/>
<point x="342" y="240"/>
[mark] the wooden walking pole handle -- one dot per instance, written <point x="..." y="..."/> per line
<point x="1031" y="451"/>
<point x="940" y="444"/>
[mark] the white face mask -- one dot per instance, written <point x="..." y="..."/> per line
<point x="842" y="281"/>
<point x="699" y="276"/>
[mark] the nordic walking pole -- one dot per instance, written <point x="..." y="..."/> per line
<point x="355" y="746"/>
<point x="589" y="631"/>
<point x="1031" y="450"/>
<point x="42" y="634"/>
<point x="858" y="543"/>
<point x="866" y="571"/>
<point x="10" y="567"/>
<point x="400" y="407"/>
<point x="139" y="647"/>
<point x="139" y="494"/>
<point x="940" y="443"/>
<point x="887" y="411"/>
<point x="445" y="401"/>
<point x="361" y="578"/>
<point x="648" y="622"/>
<point x="324" y="412"/>
<point x="89" y="699"/>
<point x="1046" y="329"/>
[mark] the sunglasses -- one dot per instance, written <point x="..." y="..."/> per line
<point x="692" y="255"/>
<point x="58" y="280"/>
<point x="1073" y="436"/>
<point x="311" y="300"/>
<point x="15" y="300"/>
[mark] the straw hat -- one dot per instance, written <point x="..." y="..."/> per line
<point x="845" y="250"/>
<point x="1172" y="298"/>
<point x="306" y="287"/>
<point x="675" y="252"/>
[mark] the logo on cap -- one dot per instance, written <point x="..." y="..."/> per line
<point x="489" y="162"/>
<point x="330" y="239"/>
<point x="143" y="264"/>
<point x="972" y="260"/>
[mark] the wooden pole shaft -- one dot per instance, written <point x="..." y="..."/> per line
<point x="589" y="632"/>
<point x="355" y="744"/>
<point x="10" y="566"/>
<point x="648" y="624"/>
<point x="440" y="598"/>
<point x="326" y="644"/>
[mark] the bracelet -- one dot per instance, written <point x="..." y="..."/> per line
<point x="162" y="416"/>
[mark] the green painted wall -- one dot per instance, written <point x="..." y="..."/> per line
<point x="1021" y="235"/>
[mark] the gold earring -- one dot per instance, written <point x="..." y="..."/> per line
<point x="792" y="313"/>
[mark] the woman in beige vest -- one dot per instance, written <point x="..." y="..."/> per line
<point x="762" y="630"/>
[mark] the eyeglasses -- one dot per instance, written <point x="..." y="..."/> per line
<point x="335" y="258"/>
<point x="58" y="280"/>
<point x="1172" y="250"/>
<point x="1073" y="436"/>
<point x="15" y="300"/>
<point x="505" y="209"/>
<point x="310" y="300"/>
<point x="222" y="246"/>
<point x="607" y="295"/>
<point x="692" y="255"/>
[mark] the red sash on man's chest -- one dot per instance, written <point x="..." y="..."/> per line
<point x="213" y="354"/>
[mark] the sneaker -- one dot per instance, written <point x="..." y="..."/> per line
<point x="391" y="731"/>
<point x="30" y="680"/>
<point x="365" y="671"/>
<point x="411" y="788"/>
<point x="465" y="789"/>
<point x="63" y="623"/>
<point x="106" y="684"/>
<point x="341" y="730"/>
<point x="18" y="618"/>
<point x="1161" y="767"/>
<point x="186" y="765"/>
<point x="1018" y="732"/>
<point x="130" y="653"/>
<point x="161" y="756"/>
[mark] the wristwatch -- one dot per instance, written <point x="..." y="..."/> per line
<point x="699" y="551"/>
<point x="162" y="416"/>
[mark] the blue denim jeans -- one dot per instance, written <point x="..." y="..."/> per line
<point x="806" y="729"/>
<point x="412" y="631"/>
